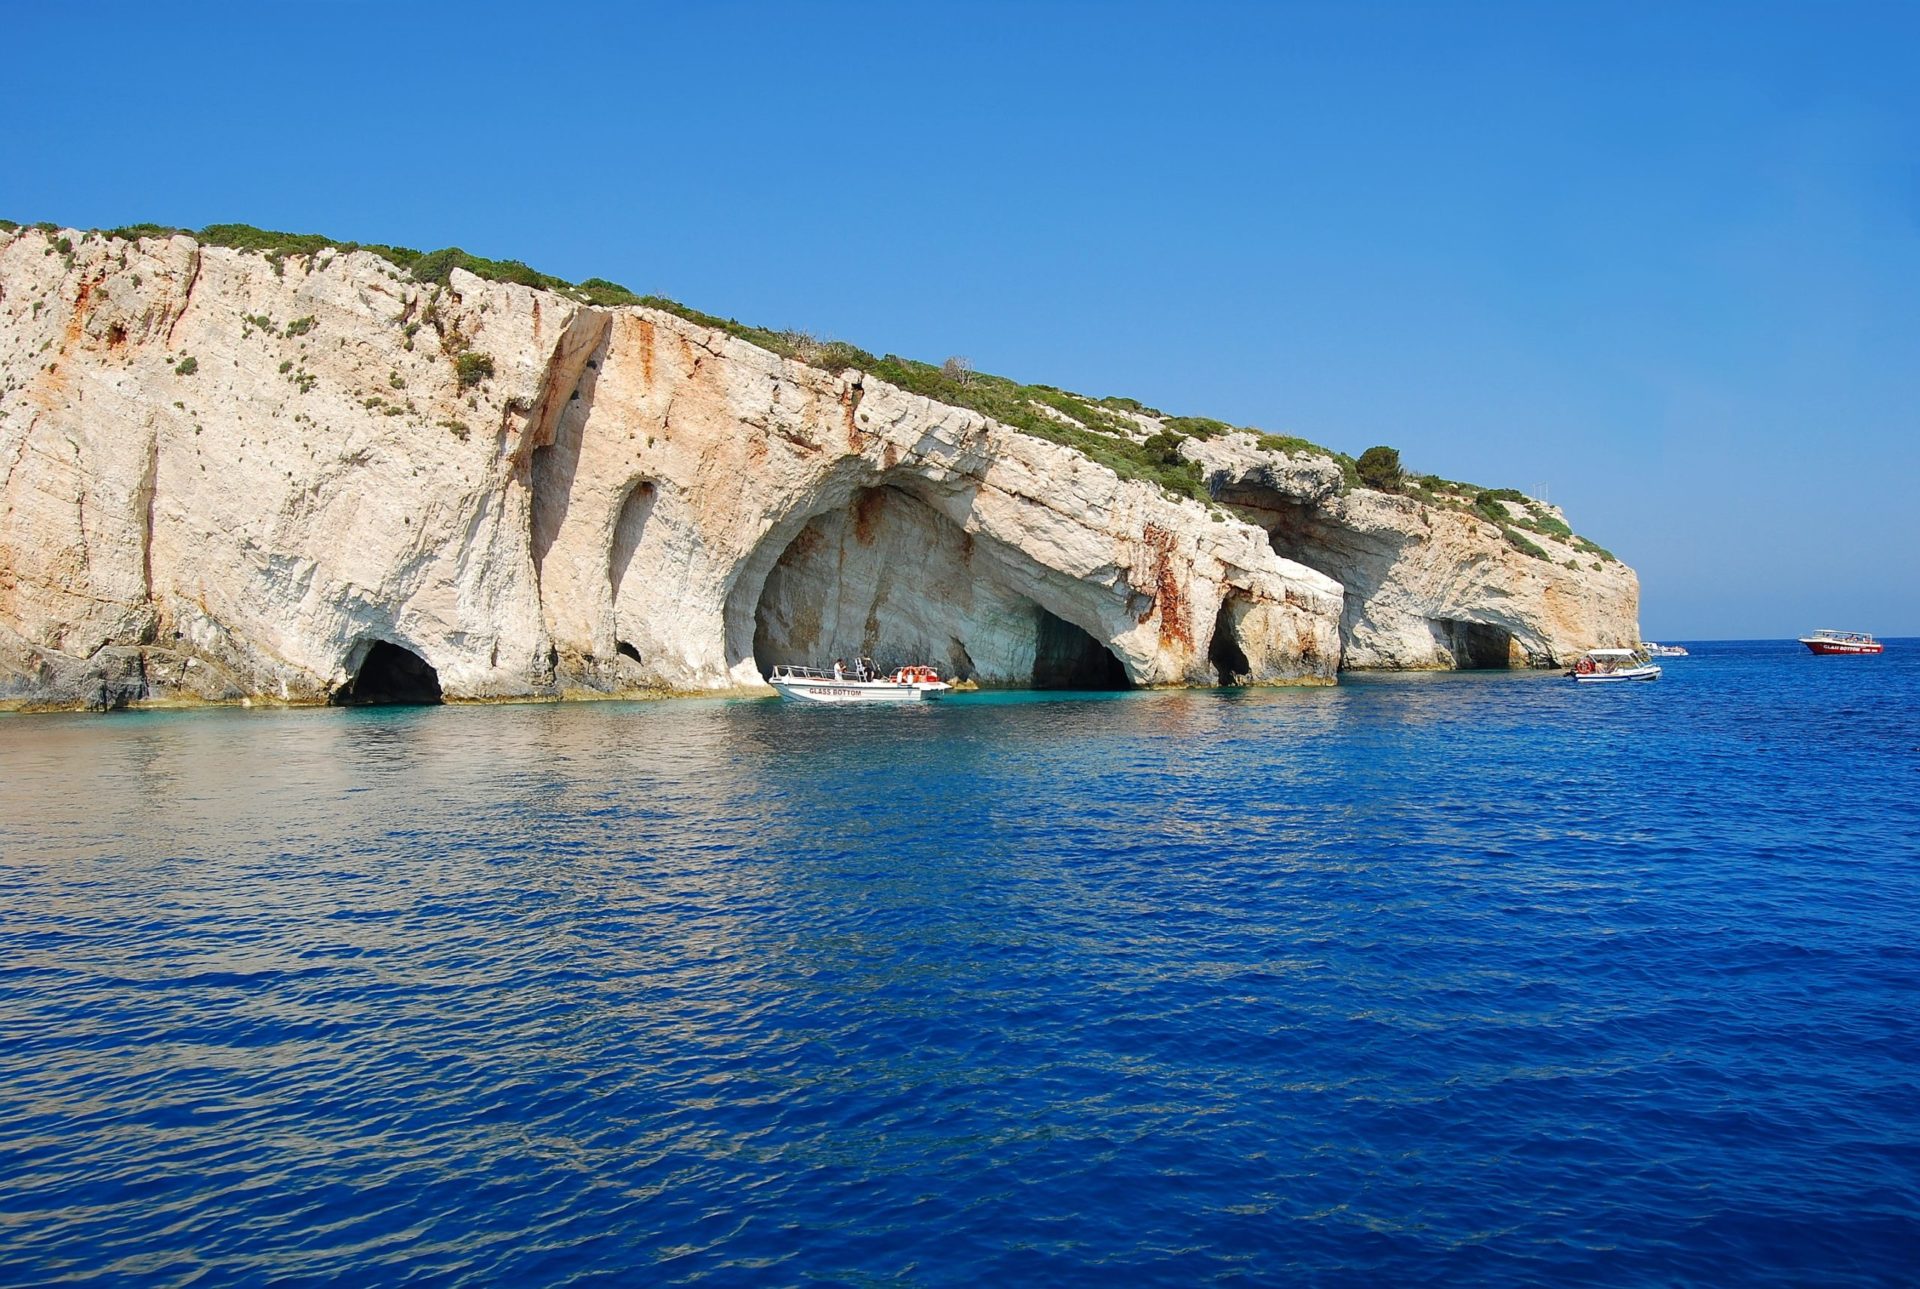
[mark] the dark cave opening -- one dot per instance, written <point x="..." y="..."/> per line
<point x="1230" y="665"/>
<point x="390" y="675"/>
<point x="1065" y="657"/>
<point x="1475" y="646"/>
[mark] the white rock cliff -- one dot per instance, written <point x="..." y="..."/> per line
<point x="228" y="477"/>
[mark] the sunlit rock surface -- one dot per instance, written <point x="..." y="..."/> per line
<point x="224" y="477"/>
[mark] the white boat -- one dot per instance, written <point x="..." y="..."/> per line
<point x="1602" y="665"/>
<point x="1663" y="651"/>
<point x="811" y="685"/>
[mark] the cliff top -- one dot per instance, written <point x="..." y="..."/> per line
<point x="1132" y="439"/>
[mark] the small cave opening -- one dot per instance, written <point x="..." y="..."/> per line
<point x="1475" y="646"/>
<point x="1230" y="665"/>
<point x="390" y="675"/>
<point x="1066" y="657"/>
<point x="626" y="650"/>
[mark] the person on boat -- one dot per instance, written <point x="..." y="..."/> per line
<point x="839" y="669"/>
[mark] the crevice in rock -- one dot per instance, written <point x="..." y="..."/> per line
<point x="390" y="674"/>
<point x="1230" y="665"/>
<point x="186" y="296"/>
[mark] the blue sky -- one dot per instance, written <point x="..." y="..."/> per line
<point x="1663" y="259"/>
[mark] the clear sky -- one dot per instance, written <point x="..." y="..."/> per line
<point x="1661" y="260"/>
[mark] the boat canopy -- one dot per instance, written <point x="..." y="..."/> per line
<point x="1611" y="653"/>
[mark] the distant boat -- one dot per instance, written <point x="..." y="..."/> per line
<point x="1825" y="642"/>
<point x="1601" y="665"/>
<point x="811" y="685"/>
<point x="1663" y="651"/>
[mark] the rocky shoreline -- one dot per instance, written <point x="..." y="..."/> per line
<point x="237" y="477"/>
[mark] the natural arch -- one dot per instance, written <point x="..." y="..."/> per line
<point x="390" y="674"/>
<point x="886" y="574"/>
<point x="1066" y="657"/>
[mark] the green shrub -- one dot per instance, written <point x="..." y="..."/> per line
<point x="472" y="367"/>
<point x="1163" y="448"/>
<point x="300" y="326"/>
<point x="187" y="366"/>
<point x="1487" y="504"/>
<point x="245" y="237"/>
<point x="399" y="256"/>
<point x="8" y="226"/>
<point x="1520" y="542"/>
<point x="1199" y="427"/>
<point x="1291" y="445"/>
<point x="134" y="232"/>
<point x="1544" y="522"/>
<point x="599" y="291"/>
<point x="1379" y="469"/>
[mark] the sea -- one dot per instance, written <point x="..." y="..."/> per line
<point x="1418" y="979"/>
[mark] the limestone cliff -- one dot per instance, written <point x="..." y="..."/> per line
<point x="226" y="476"/>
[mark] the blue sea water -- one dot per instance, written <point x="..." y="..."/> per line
<point x="1453" y="978"/>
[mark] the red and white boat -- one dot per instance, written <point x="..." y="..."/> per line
<point x="1842" y="642"/>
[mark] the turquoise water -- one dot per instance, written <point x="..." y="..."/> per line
<point x="1436" y="978"/>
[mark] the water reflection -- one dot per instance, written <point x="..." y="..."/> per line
<point x="1176" y="984"/>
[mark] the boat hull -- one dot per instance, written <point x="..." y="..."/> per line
<point x="1829" y="647"/>
<point x="1610" y="677"/>
<point x="856" y="691"/>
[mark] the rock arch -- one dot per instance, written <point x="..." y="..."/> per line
<point x="891" y="573"/>
<point x="386" y="673"/>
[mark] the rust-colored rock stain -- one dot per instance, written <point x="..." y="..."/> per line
<point x="1169" y="597"/>
<point x="866" y="514"/>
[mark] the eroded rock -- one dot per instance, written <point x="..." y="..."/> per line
<point x="223" y="477"/>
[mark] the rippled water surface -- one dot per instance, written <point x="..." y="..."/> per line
<point x="1443" y="978"/>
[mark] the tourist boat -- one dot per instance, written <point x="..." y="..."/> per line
<point x="1842" y="642"/>
<point x="811" y="685"/>
<point x="1662" y="651"/>
<point x="1597" y="665"/>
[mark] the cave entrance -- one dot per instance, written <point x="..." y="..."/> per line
<point x="1065" y="657"/>
<point x="1474" y="646"/>
<point x="1230" y="665"/>
<point x="390" y="675"/>
<point x="891" y="577"/>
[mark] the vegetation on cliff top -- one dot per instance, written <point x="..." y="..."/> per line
<point x="1104" y="430"/>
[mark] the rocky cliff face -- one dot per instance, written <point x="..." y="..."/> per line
<point x="228" y="477"/>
